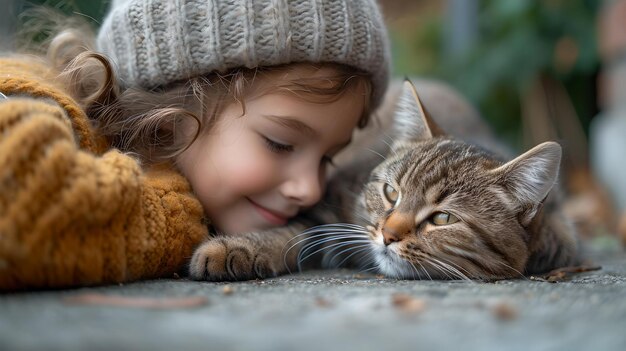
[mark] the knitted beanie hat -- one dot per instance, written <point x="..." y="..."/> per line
<point x="155" y="42"/>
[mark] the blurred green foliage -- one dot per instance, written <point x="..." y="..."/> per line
<point x="518" y="40"/>
<point x="36" y="25"/>
<point x="92" y="10"/>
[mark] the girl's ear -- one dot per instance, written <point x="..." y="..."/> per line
<point x="411" y="120"/>
<point x="531" y="176"/>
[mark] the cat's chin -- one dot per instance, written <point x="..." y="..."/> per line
<point x="392" y="265"/>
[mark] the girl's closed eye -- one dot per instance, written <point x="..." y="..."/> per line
<point x="277" y="147"/>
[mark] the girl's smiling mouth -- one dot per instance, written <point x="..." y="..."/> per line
<point x="271" y="216"/>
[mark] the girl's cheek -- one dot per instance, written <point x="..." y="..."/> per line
<point x="253" y="172"/>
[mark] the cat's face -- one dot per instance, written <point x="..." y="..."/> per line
<point x="438" y="211"/>
<point x="441" y="208"/>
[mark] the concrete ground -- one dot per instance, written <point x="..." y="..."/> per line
<point x="331" y="310"/>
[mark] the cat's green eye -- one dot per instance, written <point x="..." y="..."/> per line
<point x="443" y="218"/>
<point x="390" y="193"/>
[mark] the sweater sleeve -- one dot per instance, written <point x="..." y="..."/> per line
<point x="28" y="76"/>
<point x="72" y="217"/>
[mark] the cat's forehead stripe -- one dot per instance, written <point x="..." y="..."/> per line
<point x="436" y="194"/>
<point x="427" y="170"/>
<point x="436" y="166"/>
<point x="442" y="168"/>
<point x="399" y="166"/>
<point x="430" y="156"/>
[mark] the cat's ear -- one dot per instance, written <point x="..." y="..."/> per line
<point x="412" y="122"/>
<point x="531" y="176"/>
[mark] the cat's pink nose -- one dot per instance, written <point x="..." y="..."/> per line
<point x="397" y="227"/>
<point x="390" y="237"/>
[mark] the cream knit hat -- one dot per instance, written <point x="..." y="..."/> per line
<point x="155" y="42"/>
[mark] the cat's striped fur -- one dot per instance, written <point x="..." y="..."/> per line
<point x="507" y="219"/>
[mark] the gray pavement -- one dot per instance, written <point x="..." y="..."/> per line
<point x="327" y="310"/>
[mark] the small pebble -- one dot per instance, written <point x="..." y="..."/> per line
<point x="227" y="290"/>
<point x="505" y="312"/>
<point x="322" y="302"/>
<point x="408" y="303"/>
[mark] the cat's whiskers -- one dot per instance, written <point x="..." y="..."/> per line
<point x="334" y="225"/>
<point x="373" y="268"/>
<point x="324" y="230"/>
<point x="438" y="268"/>
<point x="416" y="274"/>
<point x="466" y="256"/>
<point x="392" y="150"/>
<point x="435" y="262"/>
<point x="507" y="266"/>
<point x="369" y="259"/>
<point x="444" y="251"/>
<point x="468" y="261"/>
<point x="388" y="140"/>
<point x="340" y="238"/>
<point x="356" y="236"/>
<point x="305" y="236"/>
<point x="473" y="259"/>
<point x="456" y="268"/>
<point x="448" y="267"/>
<point x="336" y="246"/>
<point x="376" y="153"/>
<point x="328" y="231"/>
<point x="357" y="248"/>
<point x="333" y="236"/>
<point x="428" y="254"/>
<point x="425" y="270"/>
<point x="476" y="260"/>
<point x="367" y="254"/>
<point x="336" y="237"/>
<point x="419" y="256"/>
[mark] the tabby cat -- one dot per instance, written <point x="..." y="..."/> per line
<point x="435" y="208"/>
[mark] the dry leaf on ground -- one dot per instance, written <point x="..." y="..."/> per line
<point x="322" y="302"/>
<point x="564" y="273"/>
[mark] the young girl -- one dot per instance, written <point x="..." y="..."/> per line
<point x="192" y="120"/>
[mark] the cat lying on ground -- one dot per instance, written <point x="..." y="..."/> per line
<point x="434" y="208"/>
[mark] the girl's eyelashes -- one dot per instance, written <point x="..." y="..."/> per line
<point x="277" y="147"/>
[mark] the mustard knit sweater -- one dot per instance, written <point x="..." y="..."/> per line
<point x="73" y="213"/>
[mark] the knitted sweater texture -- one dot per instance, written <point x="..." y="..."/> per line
<point x="72" y="212"/>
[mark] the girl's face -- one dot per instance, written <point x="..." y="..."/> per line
<point x="257" y="170"/>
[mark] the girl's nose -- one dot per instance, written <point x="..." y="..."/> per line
<point x="304" y="188"/>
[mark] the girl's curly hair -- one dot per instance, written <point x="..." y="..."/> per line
<point x="147" y="122"/>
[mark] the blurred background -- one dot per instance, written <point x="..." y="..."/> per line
<point x="536" y="70"/>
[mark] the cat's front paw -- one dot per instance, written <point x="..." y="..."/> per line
<point x="226" y="258"/>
